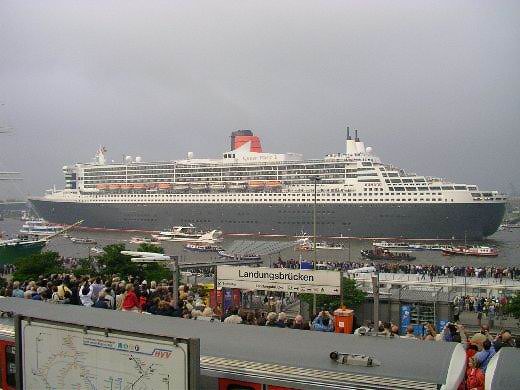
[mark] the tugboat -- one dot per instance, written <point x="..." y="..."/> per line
<point x="383" y="254"/>
<point x="479" y="251"/>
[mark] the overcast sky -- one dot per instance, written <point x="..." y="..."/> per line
<point x="434" y="86"/>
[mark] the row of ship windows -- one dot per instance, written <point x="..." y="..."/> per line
<point x="294" y="199"/>
<point x="326" y="196"/>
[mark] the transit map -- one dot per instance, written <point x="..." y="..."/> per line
<point x="65" y="357"/>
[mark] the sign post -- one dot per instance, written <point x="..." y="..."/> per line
<point x="279" y="279"/>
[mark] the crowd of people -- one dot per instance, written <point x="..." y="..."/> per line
<point x="157" y="298"/>
<point x="480" y="347"/>
<point x="425" y="270"/>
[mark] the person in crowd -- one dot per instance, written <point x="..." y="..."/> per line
<point x="364" y="329"/>
<point x="299" y="323"/>
<point x="85" y="295"/>
<point x="130" y="300"/>
<point x="483" y="357"/>
<point x="323" y="322"/>
<point x="101" y="302"/>
<point x="234" y="318"/>
<point x="17" y="291"/>
<point x="282" y="320"/>
<point x="504" y="339"/>
<point x="409" y="335"/>
<point x="271" y="319"/>
<point x="475" y="378"/>
<point x="96" y="287"/>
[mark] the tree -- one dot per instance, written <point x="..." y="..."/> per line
<point x="513" y="306"/>
<point x="146" y="247"/>
<point x="39" y="264"/>
<point x="352" y="297"/>
<point x="112" y="262"/>
<point x="153" y="271"/>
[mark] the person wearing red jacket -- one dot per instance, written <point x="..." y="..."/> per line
<point x="130" y="300"/>
<point x="474" y="376"/>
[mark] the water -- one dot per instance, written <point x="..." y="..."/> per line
<point x="507" y="242"/>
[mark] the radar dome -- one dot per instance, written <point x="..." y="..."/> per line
<point x="128" y="159"/>
<point x="190" y="155"/>
<point x="369" y="150"/>
<point x="138" y="159"/>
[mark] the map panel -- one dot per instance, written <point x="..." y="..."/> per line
<point x="59" y="357"/>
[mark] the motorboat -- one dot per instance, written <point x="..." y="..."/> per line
<point x="141" y="240"/>
<point x="238" y="257"/>
<point x="195" y="247"/>
<point x="83" y="240"/>
<point x="183" y="234"/>
<point x="306" y="244"/>
<point x="384" y="254"/>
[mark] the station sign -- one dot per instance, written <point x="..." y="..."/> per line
<point x="279" y="279"/>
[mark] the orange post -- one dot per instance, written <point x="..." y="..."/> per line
<point x="343" y="320"/>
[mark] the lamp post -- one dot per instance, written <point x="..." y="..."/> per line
<point x="316" y="180"/>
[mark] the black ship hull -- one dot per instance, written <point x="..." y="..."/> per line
<point x="472" y="221"/>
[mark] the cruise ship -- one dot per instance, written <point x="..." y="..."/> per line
<point x="249" y="191"/>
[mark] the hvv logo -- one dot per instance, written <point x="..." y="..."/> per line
<point x="161" y="354"/>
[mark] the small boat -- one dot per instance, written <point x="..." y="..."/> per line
<point x="238" y="257"/>
<point x="82" y="240"/>
<point x="191" y="246"/>
<point x="383" y="254"/>
<point x="186" y="233"/>
<point x="97" y="251"/>
<point x="40" y="227"/>
<point x="140" y="240"/>
<point x="305" y="244"/>
<point x="479" y="251"/>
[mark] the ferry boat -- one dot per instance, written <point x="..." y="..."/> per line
<point x="479" y="251"/>
<point x="40" y="228"/>
<point x="16" y="248"/>
<point x="250" y="191"/>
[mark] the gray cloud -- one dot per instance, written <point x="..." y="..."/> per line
<point x="433" y="86"/>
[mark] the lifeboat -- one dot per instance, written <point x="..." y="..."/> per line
<point x="165" y="186"/>
<point x="139" y="186"/>
<point x="273" y="183"/>
<point x="127" y="186"/>
<point x="101" y="186"/>
<point x="256" y="183"/>
<point x="114" y="186"/>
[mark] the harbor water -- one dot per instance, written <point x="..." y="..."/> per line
<point x="507" y="242"/>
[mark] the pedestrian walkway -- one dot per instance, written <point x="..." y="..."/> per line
<point x="494" y="284"/>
